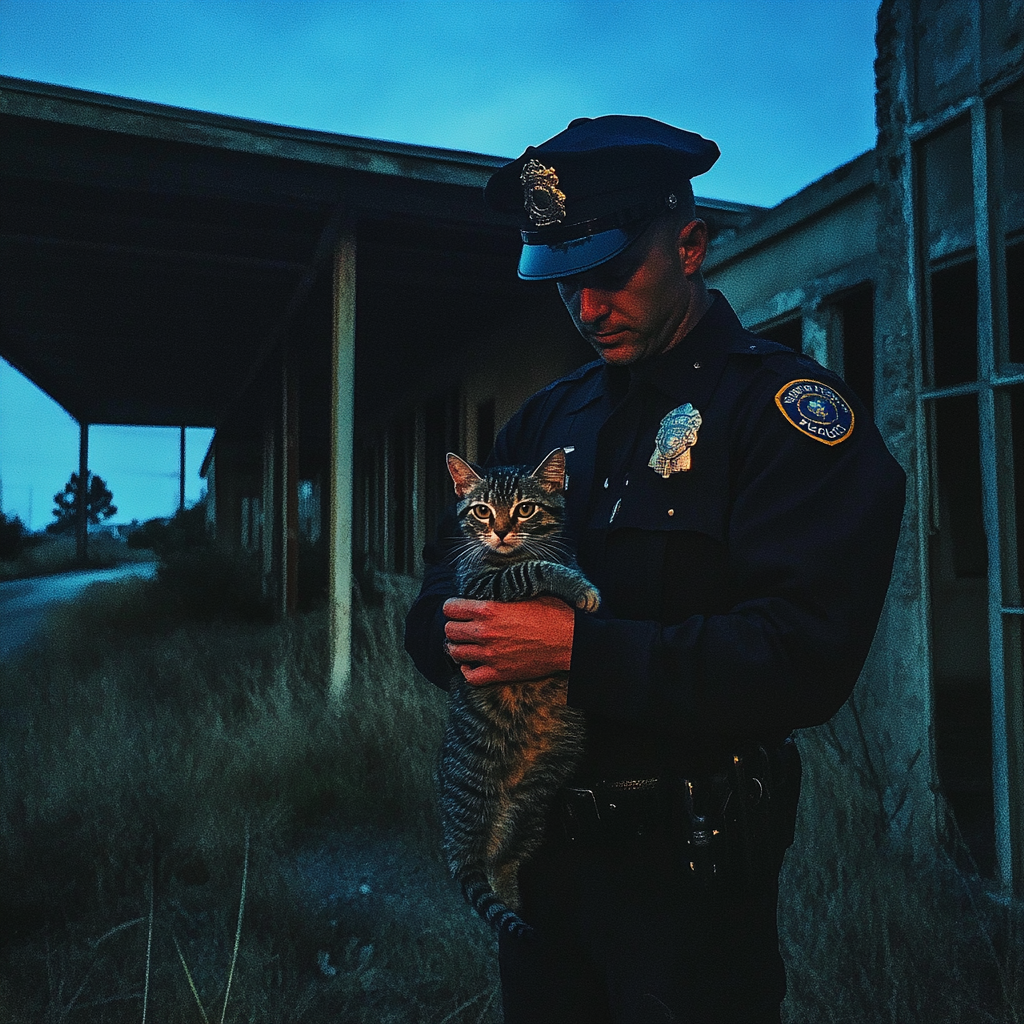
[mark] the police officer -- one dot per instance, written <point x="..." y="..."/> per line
<point x="739" y="512"/>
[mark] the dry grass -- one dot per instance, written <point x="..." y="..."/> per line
<point x="135" y="754"/>
<point x="872" y="934"/>
<point x="139" y="751"/>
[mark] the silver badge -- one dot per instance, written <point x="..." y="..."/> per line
<point x="676" y="436"/>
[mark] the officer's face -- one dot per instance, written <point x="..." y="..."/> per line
<point x="640" y="303"/>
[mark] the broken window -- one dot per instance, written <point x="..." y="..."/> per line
<point x="959" y="620"/>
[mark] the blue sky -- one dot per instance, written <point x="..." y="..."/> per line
<point x="785" y="87"/>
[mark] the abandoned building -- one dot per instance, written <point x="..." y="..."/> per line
<point x="342" y="312"/>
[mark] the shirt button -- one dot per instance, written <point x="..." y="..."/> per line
<point x="671" y="511"/>
<point x="696" y="366"/>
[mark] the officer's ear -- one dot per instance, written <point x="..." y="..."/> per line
<point x="693" y="246"/>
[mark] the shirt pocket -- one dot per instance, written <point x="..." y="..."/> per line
<point x="665" y="547"/>
<point x="685" y="501"/>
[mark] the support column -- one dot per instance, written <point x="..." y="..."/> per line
<point x="268" y="517"/>
<point x="82" y="498"/>
<point x="419" y="490"/>
<point x="289" y="490"/>
<point x="181" y="474"/>
<point x="343" y="349"/>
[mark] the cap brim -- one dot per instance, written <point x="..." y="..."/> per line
<point x="546" y="262"/>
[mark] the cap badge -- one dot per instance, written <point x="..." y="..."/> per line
<point x="544" y="203"/>
<point x="816" y="410"/>
<point x="676" y="436"/>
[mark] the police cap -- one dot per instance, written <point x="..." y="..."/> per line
<point x="581" y="197"/>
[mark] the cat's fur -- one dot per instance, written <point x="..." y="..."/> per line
<point x="508" y="748"/>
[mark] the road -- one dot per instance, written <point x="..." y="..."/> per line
<point x="24" y="603"/>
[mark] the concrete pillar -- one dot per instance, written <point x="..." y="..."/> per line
<point x="289" y="490"/>
<point x="82" y="498"/>
<point x="181" y="473"/>
<point x="343" y="351"/>
<point x="419" y="490"/>
<point x="267" y="506"/>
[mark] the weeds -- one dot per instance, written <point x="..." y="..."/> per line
<point x="140" y="747"/>
<point x="134" y="751"/>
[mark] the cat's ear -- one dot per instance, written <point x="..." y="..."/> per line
<point x="550" y="474"/>
<point x="463" y="474"/>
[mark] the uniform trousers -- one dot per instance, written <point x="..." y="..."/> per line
<point x="625" y="935"/>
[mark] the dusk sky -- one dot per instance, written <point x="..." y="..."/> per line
<point x="785" y="87"/>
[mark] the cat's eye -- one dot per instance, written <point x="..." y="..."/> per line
<point x="525" y="509"/>
<point x="482" y="512"/>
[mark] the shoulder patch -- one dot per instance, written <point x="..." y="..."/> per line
<point x="816" y="410"/>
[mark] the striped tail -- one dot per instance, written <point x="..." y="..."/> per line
<point x="486" y="902"/>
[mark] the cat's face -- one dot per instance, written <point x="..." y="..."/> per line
<point x="508" y="511"/>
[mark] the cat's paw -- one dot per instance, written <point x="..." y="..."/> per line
<point x="589" y="600"/>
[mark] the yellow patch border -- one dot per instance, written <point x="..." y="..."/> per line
<point x="789" y="419"/>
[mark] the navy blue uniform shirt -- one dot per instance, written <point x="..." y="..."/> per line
<point x="741" y="595"/>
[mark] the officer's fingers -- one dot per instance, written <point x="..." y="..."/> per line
<point x="462" y="609"/>
<point x="463" y="652"/>
<point x="461" y="632"/>
<point x="479" y="675"/>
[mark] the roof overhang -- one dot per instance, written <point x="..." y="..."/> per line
<point x="151" y="256"/>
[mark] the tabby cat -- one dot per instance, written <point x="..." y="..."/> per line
<point x="508" y="747"/>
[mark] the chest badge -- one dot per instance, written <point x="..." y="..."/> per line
<point x="676" y="436"/>
<point x="816" y="410"/>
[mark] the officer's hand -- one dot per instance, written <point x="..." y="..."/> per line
<point x="509" y="642"/>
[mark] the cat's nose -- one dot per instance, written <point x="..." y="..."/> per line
<point x="501" y="534"/>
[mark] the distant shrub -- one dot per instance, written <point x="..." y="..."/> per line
<point x="45" y="555"/>
<point x="12" y="537"/>
<point x="185" y="529"/>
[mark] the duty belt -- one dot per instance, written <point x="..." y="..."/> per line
<point x="732" y="824"/>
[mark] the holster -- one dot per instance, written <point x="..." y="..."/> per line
<point x="736" y="824"/>
<point x="733" y="825"/>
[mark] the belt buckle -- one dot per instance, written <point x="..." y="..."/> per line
<point x="581" y="819"/>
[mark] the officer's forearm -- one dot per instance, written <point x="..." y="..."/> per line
<point x="739" y="674"/>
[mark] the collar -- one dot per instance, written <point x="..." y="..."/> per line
<point x="703" y="352"/>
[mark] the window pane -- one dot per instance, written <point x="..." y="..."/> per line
<point x="1010" y="111"/>
<point x="959" y="604"/>
<point x="948" y="191"/>
<point x="1012" y="107"/>
<point x="954" y="324"/>
<point x="1015" y="302"/>
<point x="1013" y="515"/>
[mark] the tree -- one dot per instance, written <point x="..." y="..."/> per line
<point x="98" y="504"/>
<point x="12" y="537"/>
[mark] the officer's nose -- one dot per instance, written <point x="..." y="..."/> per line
<point x="591" y="309"/>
